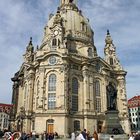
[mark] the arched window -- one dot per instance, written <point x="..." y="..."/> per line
<point x="97" y="88"/>
<point x="82" y="26"/>
<point x="52" y="92"/>
<point x="90" y="52"/>
<point x="111" y="61"/>
<point x="98" y="104"/>
<point x="98" y="97"/>
<point x="74" y="94"/>
<point x="52" y="82"/>
<point x="54" y="42"/>
<point x="76" y="125"/>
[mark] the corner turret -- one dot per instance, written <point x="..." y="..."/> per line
<point x="30" y="47"/>
<point x="29" y="52"/>
<point x="110" y="53"/>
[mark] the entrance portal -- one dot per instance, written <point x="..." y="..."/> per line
<point x="50" y="126"/>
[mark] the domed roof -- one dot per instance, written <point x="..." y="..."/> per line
<point x="73" y="22"/>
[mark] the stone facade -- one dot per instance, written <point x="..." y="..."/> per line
<point x="61" y="86"/>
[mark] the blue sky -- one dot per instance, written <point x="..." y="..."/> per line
<point x="21" y="19"/>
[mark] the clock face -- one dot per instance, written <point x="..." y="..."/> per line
<point x="56" y="32"/>
<point x="52" y="60"/>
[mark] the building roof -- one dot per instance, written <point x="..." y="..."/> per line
<point x="5" y="108"/>
<point x="134" y="102"/>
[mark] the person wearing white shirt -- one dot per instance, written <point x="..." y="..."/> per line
<point x="72" y="136"/>
<point x="111" y="138"/>
<point x="81" y="137"/>
<point x="131" y="137"/>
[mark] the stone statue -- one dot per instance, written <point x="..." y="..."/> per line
<point x="111" y="97"/>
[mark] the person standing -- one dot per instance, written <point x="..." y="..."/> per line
<point x="84" y="134"/>
<point x="111" y="138"/>
<point x="81" y="137"/>
<point x="88" y="135"/>
<point x="72" y="136"/>
<point x="33" y="135"/>
<point x="131" y="137"/>
<point x="95" y="135"/>
<point x="137" y="137"/>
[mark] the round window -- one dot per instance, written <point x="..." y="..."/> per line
<point x="52" y="60"/>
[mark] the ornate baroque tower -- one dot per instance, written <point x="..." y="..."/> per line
<point x="63" y="82"/>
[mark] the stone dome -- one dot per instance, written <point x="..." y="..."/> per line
<point x="74" y="24"/>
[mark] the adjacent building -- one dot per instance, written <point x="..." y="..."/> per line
<point x="134" y="113"/>
<point x="5" y="110"/>
<point x="61" y="85"/>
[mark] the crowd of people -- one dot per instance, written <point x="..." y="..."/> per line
<point x="29" y="136"/>
<point x="76" y="135"/>
<point x="84" y="135"/>
<point x="135" y="136"/>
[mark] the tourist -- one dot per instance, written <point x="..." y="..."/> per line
<point x="50" y="136"/>
<point x="33" y="135"/>
<point x="137" y="137"/>
<point x="95" y="135"/>
<point x="111" y="138"/>
<point x="131" y="137"/>
<point x="77" y="135"/>
<point x="73" y="136"/>
<point x="88" y="135"/>
<point x="84" y="134"/>
<point x="81" y="137"/>
<point x="56" y="136"/>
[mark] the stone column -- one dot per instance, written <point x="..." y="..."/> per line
<point x="86" y="89"/>
<point x="41" y="79"/>
<point x="85" y="96"/>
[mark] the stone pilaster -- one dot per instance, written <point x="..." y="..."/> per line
<point x="85" y="89"/>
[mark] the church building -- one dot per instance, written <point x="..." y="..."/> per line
<point x="61" y="85"/>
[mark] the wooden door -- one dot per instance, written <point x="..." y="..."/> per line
<point x="50" y="128"/>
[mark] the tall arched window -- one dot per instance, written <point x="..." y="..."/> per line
<point x="52" y="92"/>
<point x="54" y="42"/>
<point x="98" y="97"/>
<point x="82" y="26"/>
<point x="111" y="61"/>
<point x="74" y="94"/>
<point x="90" y="52"/>
<point x="97" y="88"/>
<point x="52" y="82"/>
